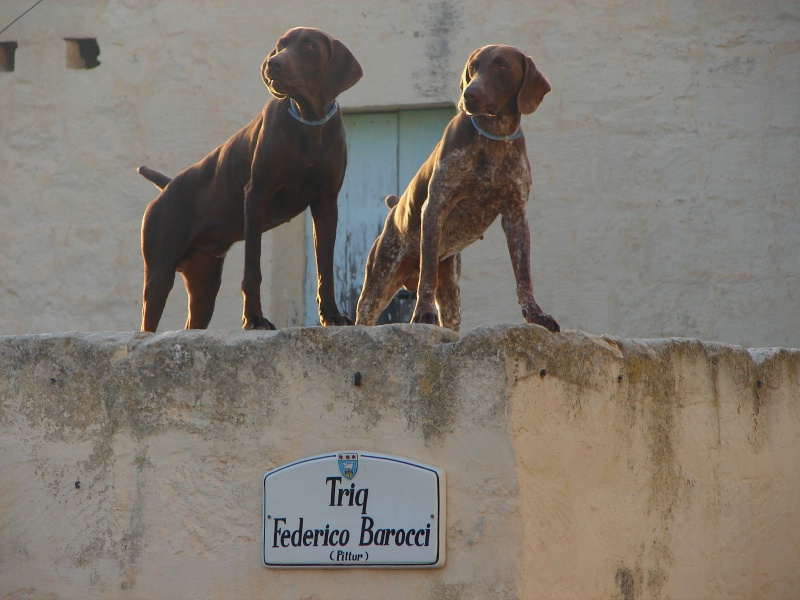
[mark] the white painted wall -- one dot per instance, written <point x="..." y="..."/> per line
<point x="665" y="159"/>
<point x="646" y="470"/>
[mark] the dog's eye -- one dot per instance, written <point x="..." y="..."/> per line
<point x="502" y="68"/>
<point x="308" y="47"/>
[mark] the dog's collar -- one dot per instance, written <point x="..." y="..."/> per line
<point x="497" y="138"/>
<point x="293" y="110"/>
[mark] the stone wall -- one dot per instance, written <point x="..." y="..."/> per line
<point x="577" y="466"/>
<point x="665" y="196"/>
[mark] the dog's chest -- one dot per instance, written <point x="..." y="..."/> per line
<point x="474" y="184"/>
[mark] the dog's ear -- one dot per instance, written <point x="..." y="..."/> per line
<point x="534" y="88"/>
<point x="342" y="72"/>
<point x="465" y="79"/>
<point x="264" y="75"/>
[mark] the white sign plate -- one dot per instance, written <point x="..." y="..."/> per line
<point x="354" y="509"/>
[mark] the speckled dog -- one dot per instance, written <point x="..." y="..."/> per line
<point x="477" y="171"/>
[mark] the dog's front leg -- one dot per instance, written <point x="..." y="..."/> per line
<point x="252" y="317"/>
<point x="430" y="235"/>
<point x="448" y="293"/>
<point x="325" y="215"/>
<point x="515" y="225"/>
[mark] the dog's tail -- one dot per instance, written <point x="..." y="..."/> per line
<point x="158" y="179"/>
<point x="391" y="201"/>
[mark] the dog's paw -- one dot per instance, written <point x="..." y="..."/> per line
<point x="544" y="320"/>
<point x="257" y="322"/>
<point x="338" y="320"/>
<point x="429" y="318"/>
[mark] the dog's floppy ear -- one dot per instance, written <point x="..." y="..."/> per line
<point x="264" y="75"/>
<point x="534" y="88"/>
<point x="465" y="79"/>
<point x="342" y="72"/>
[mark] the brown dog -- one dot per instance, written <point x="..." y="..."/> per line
<point x="290" y="157"/>
<point x="477" y="171"/>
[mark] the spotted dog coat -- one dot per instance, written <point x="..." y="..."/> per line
<point x="478" y="170"/>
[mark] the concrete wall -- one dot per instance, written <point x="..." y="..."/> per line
<point x="665" y="160"/>
<point x="577" y="466"/>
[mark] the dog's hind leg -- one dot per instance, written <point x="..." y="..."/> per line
<point x="157" y="285"/>
<point x="202" y="275"/>
<point x="383" y="276"/>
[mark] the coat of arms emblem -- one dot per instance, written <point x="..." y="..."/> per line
<point x="348" y="464"/>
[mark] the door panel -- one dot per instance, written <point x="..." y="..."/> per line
<point x="371" y="175"/>
<point x="419" y="131"/>
<point x="384" y="151"/>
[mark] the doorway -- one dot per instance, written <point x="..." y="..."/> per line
<point x="384" y="151"/>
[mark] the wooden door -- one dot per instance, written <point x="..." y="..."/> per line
<point x="384" y="151"/>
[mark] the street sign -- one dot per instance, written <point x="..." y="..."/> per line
<point x="354" y="509"/>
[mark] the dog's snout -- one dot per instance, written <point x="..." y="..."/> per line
<point x="274" y="63"/>
<point x="474" y="92"/>
<point x="473" y="97"/>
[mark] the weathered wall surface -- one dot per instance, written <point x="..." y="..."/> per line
<point x="665" y="160"/>
<point x="577" y="466"/>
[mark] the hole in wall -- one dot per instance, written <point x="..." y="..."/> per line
<point x="82" y="53"/>
<point x="7" y="51"/>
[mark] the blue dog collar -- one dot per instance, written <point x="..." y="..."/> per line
<point x="296" y="114"/>
<point x="497" y="138"/>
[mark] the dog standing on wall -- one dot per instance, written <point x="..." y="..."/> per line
<point x="479" y="170"/>
<point x="290" y="157"/>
